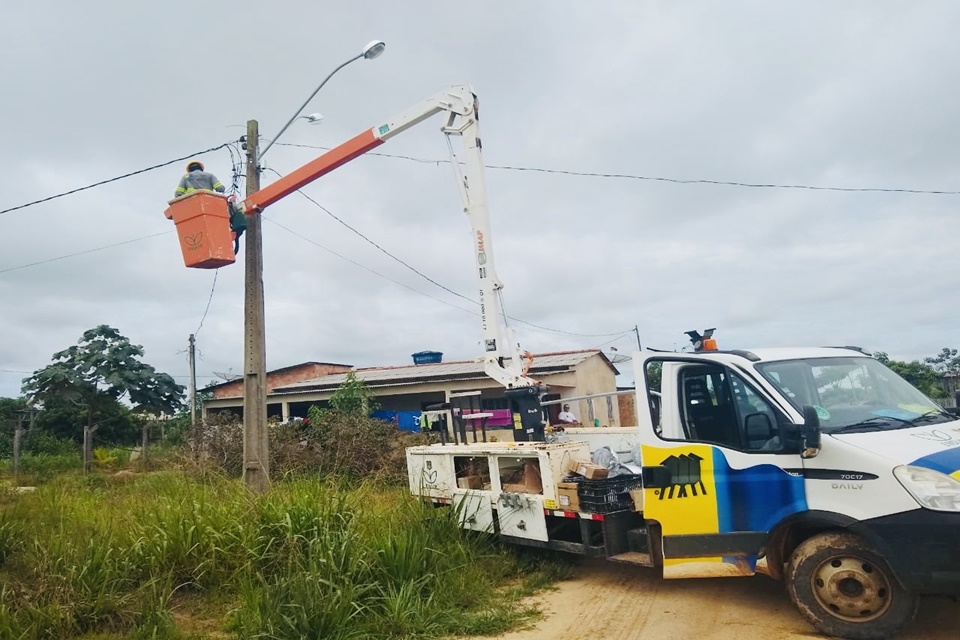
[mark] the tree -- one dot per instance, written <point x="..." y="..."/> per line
<point x="88" y="384"/>
<point x="947" y="362"/>
<point x="923" y="376"/>
<point x="353" y="396"/>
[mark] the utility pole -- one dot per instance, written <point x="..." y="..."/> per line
<point x="88" y="432"/>
<point x="144" y="445"/>
<point x="17" y="435"/>
<point x="636" y="329"/>
<point x="198" y="437"/>
<point x="256" y="460"/>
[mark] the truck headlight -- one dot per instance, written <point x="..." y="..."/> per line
<point x="931" y="489"/>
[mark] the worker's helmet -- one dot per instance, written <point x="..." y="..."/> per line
<point x="194" y="165"/>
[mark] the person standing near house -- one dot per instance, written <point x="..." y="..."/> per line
<point x="566" y="416"/>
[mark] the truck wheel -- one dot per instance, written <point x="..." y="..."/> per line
<point x="844" y="588"/>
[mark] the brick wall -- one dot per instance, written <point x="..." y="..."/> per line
<point x="627" y="403"/>
<point x="285" y="376"/>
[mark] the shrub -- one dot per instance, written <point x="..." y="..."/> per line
<point x="347" y="445"/>
<point x="308" y="560"/>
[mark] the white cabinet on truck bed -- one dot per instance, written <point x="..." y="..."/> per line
<point x="498" y="486"/>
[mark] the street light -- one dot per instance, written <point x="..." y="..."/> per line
<point x="372" y="50"/>
<point x="256" y="465"/>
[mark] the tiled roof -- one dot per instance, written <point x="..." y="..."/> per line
<point x="546" y="363"/>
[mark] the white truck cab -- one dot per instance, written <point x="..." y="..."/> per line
<point x="818" y="466"/>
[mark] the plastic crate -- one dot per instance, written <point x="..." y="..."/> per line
<point x="607" y="495"/>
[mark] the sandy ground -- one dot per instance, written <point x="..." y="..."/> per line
<point x="607" y="601"/>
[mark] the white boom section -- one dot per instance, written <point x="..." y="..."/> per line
<point x="460" y="104"/>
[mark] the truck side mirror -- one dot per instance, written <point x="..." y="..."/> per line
<point x="810" y="433"/>
<point x="758" y="430"/>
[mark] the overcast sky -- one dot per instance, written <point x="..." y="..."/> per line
<point x="853" y="94"/>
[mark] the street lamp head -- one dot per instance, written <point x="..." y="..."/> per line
<point x="373" y="49"/>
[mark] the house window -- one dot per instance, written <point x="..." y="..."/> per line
<point x="490" y="404"/>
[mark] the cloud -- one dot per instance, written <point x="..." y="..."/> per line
<point x="788" y="93"/>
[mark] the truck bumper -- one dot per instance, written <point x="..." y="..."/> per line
<point x="922" y="547"/>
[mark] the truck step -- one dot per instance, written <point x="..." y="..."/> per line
<point x="638" y="540"/>
<point x="633" y="557"/>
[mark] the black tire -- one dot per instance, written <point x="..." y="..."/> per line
<point x="844" y="588"/>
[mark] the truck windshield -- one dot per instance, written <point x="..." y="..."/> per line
<point x="852" y="393"/>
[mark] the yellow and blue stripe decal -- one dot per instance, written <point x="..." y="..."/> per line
<point x="946" y="462"/>
<point x="708" y="496"/>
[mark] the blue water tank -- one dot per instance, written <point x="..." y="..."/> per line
<point x="427" y="357"/>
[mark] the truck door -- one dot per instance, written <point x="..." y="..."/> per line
<point x="722" y="467"/>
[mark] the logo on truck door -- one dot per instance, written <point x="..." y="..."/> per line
<point x="684" y="473"/>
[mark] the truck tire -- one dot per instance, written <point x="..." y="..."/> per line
<point x="844" y="588"/>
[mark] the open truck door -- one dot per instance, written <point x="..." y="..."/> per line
<point x="721" y="464"/>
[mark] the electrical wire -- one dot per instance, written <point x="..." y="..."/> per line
<point x="423" y="275"/>
<point x="627" y="176"/>
<point x="172" y="376"/>
<point x="80" y="253"/>
<point x="103" y="182"/>
<point x="619" y="337"/>
<point x="209" y="300"/>
<point x="381" y="249"/>
<point x="535" y="328"/>
<point x="366" y="268"/>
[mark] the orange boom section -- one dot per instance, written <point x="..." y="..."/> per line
<point x="203" y="226"/>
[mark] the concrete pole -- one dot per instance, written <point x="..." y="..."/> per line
<point x="197" y="432"/>
<point x="256" y="459"/>
<point x="17" y="435"/>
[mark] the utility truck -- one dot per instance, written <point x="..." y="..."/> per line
<point x="817" y="466"/>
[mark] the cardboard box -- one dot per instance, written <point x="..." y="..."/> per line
<point x="637" y="496"/>
<point x="515" y="488"/>
<point x="588" y="470"/>
<point x="470" y="482"/>
<point x="531" y="476"/>
<point x="567" y="496"/>
<point x="570" y="465"/>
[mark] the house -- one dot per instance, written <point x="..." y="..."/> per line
<point x="292" y="390"/>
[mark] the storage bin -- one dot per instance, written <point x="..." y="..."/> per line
<point x="607" y="495"/>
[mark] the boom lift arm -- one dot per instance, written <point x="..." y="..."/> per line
<point x="460" y="105"/>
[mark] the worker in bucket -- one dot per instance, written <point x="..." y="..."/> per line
<point x="198" y="179"/>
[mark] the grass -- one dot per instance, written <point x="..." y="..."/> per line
<point x="170" y="556"/>
<point x="40" y="468"/>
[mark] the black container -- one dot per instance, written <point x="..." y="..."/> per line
<point x="607" y="495"/>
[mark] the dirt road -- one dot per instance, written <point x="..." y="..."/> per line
<point x="619" y="602"/>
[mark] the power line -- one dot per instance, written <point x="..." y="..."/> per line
<point x="80" y="253"/>
<point x="381" y="249"/>
<point x="619" y="337"/>
<point x="422" y="293"/>
<point x="627" y="176"/>
<point x="428" y="278"/>
<point x="209" y="300"/>
<point x="126" y="175"/>
<point x="366" y="268"/>
<point x="416" y="271"/>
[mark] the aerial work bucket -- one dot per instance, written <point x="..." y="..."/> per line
<point x="203" y="226"/>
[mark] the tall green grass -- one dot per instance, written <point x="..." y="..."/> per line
<point x="309" y="560"/>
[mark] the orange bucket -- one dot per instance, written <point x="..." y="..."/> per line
<point x="203" y="226"/>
